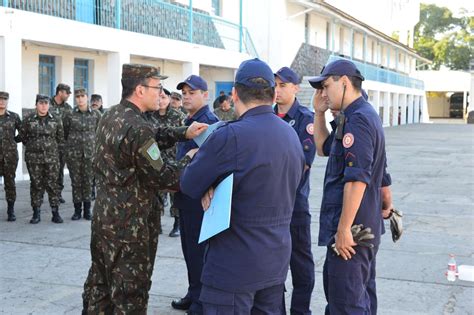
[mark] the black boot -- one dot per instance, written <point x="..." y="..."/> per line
<point x="77" y="211"/>
<point x="36" y="215"/>
<point x="87" y="210"/>
<point x="61" y="199"/>
<point x="56" y="217"/>
<point x="175" y="231"/>
<point x="11" y="211"/>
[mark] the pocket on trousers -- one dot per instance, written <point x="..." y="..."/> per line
<point x="215" y="296"/>
<point x="345" y="285"/>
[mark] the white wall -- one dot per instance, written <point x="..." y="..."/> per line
<point x="213" y="75"/>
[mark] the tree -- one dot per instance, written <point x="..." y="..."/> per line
<point x="444" y="39"/>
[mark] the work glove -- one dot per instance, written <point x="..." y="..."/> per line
<point x="396" y="225"/>
<point x="360" y="234"/>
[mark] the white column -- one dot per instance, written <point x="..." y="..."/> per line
<point x="395" y="98"/>
<point x="464" y="104"/>
<point x="416" y="109"/>
<point x="376" y="103"/>
<point x="190" y="68"/>
<point x="403" y="108"/>
<point x="410" y="109"/>
<point x="425" y="117"/>
<point x="115" y="60"/>
<point x="65" y="72"/>
<point x="386" y="109"/>
<point x="11" y="80"/>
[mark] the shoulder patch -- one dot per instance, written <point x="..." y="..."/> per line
<point x="348" y="140"/>
<point x="310" y="128"/>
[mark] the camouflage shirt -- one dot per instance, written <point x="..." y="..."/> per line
<point x="41" y="136"/>
<point x="9" y="123"/>
<point x="172" y="118"/>
<point x="79" y="132"/>
<point x="225" y="116"/>
<point x="127" y="182"/>
<point x="60" y="110"/>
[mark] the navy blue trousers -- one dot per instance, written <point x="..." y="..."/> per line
<point x="349" y="285"/>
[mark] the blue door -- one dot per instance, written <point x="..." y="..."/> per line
<point x="224" y="86"/>
<point x="85" y="11"/>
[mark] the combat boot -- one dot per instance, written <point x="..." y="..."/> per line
<point x="56" y="217"/>
<point x="36" y="215"/>
<point x="77" y="211"/>
<point x="11" y="211"/>
<point x="175" y="231"/>
<point x="87" y="210"/>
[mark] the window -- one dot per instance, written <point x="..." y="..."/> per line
<point x="81" y="74"/>
<point x="46" y="77"/>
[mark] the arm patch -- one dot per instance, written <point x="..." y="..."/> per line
<point x="152" y="153"/>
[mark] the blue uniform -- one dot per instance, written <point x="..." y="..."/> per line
<point x="360" y="156"/>
<point x="190" y="218"/>
<point x="248" y="263"/>
<point x="301" y="262"/>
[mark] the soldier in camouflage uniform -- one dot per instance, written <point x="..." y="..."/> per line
<point x="79" y="133"/>
<point x="177" y="103"/>
<point x="225" y="112"/>
<point x="167" y="116"/>
<point x="9" y="122"/>
<point x="96" y="103"/>
<point x="41" y="132"/>
<point x="60" y="107"/>
<point x="129" y="171"/>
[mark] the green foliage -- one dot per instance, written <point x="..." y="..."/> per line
<point x="444" y="39"/>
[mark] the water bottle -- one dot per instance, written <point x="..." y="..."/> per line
<point x="452" y="269"/>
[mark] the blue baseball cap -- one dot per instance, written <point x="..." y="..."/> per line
<point x="338" y="67"/>
<point x="252" y="69"/>
<point x="286" y="75"/>
<point x="195" y="82"/>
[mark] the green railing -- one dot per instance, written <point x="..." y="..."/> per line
<point x="374" y="73"/>
<point x="151" y="17"/>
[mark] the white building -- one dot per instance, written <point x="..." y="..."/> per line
<point x="84" y="43"/>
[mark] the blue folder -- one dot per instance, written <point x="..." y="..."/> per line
<point x="217" y="218"/>
<point x="203" y="136"/>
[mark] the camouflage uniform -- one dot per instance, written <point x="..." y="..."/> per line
<point x="41" y="136"/>
<point x="79" y="135"/>
<point x="9" y="122"/>
<point x="124" y="225"/>
<point x="60" y="110"/>
<point x="225" y="116"/>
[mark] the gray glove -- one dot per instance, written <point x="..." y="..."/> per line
<point x="396" y="225"/>
<point x="361" y="235"/>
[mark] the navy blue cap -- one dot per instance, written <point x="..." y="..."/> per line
<point x="338" y="67"/>
<point x="252" y="69"/>
<point x="286" y="75"/>
<point x="195" y="82"/>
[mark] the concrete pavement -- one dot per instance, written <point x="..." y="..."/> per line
<point x="43" y="266"/>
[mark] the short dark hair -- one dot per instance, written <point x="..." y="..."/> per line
<point x="221" y="99"/>
<point x="355" y="81"/>
<point x="129" y="85"/>
<point x="247" y="94"/>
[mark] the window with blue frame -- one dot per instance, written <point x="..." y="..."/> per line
<point x="46" y="75"/>
<point x="81" y="74"/>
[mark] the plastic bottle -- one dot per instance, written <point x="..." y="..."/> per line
<point x="452" y="269"/>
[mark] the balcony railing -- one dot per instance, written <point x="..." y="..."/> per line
<point x="151" y="17"/>
<point x="374" y="73"/>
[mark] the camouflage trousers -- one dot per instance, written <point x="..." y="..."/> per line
<point x="120" y="276"/>
<point x="174" y="212"/>
<point x="60" y="177"/>
<point x="80" y="171"/>
<point x="8" y="172"/>
<point x="43" y="176"/>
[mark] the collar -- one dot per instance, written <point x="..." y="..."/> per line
<point x="261" y="109"/>
<point x="354" y="105"/>
<point x="7" y="113"/>
<point x="127" y="104"/>
<point x="76" y="109"/>
<point x="37" y="116"/>
<point x="202" y="111"/>
<point x="293" y="109"/>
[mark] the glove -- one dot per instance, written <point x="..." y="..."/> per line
<point x="396" y="224"/>
<point x="360" y="234"/>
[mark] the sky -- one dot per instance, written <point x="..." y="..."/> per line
<point x="453" y="5"/>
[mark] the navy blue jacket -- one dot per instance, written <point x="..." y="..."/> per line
<point x="301" y="119"/>
<point x="203" y="115"/>
<point x="359" y="156"/>
<point x="265" y="155"/>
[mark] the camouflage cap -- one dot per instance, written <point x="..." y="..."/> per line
<point x="80" y="91"/>
<point x="96" y="97"/>
<point x="140" y="71"/>
<point x="4" y="95"/>
<point x="176" y="95"/>
<point x="64" y="87"/>
<point x="42" y="98"/>
<point x="166" y="91"/>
